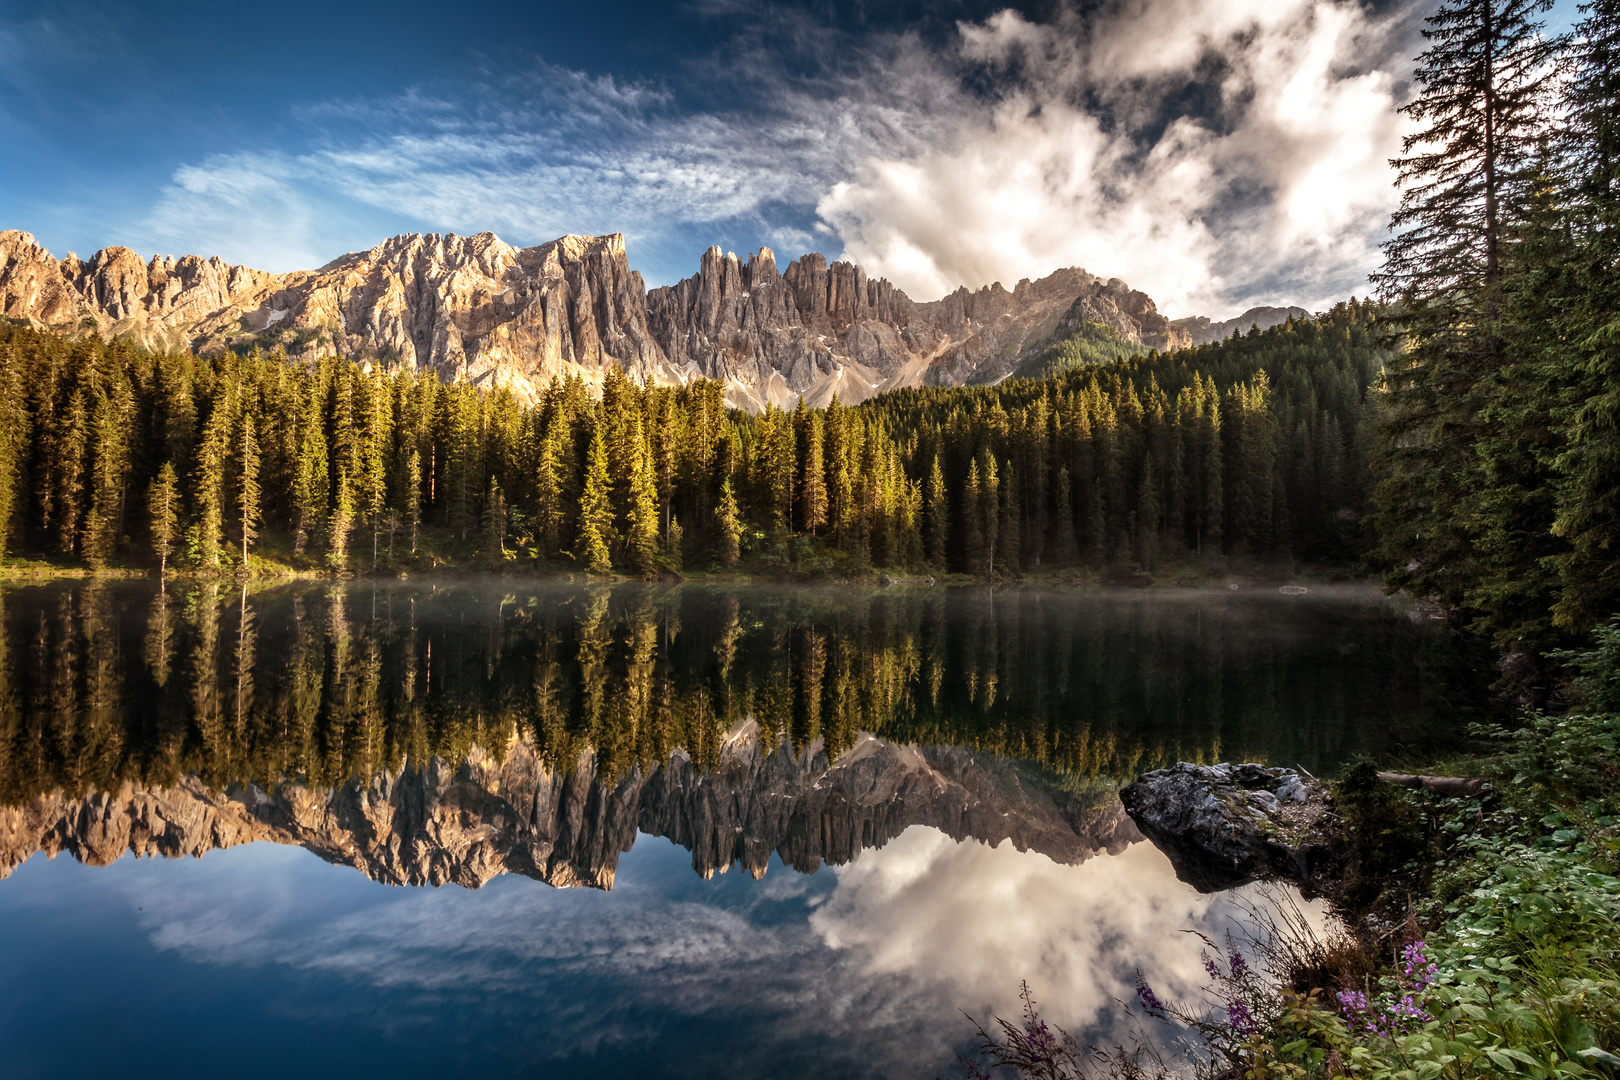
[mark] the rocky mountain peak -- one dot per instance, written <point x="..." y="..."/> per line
<point x="475" y="308"/>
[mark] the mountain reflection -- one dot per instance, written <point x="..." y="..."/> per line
<point x="447" y="733"/>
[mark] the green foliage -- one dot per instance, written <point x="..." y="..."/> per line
<point x="1091" y="343"/>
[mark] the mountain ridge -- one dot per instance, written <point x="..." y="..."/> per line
<point x="477" y="309"/>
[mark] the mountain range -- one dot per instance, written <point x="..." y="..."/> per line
<point x="440" y="822"/>
<point x="475" y="308"/>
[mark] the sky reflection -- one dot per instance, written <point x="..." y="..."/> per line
<point x="862" y="967"/>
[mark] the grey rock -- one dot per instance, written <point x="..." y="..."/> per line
<point x="439" y="823"/>
<point x="1227" y="825"/>
<point x="478" y="310"/>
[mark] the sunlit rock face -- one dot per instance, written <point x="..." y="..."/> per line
<point x="477" y="309"/>
<point x="465" y="825"/>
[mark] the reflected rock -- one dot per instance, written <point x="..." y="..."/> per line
<point x="1227" y="825"/>
<point x="513" y="813"/>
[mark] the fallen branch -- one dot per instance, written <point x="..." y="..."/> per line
<point x="1440" y="785"/>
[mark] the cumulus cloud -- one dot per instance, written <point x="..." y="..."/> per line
<point x="1211" y="154"/>
<point x="1275" y="189"/>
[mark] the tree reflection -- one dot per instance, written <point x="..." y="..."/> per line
<point x="108" y="682"/>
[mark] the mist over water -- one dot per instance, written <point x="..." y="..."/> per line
<point x="898" y="803"/>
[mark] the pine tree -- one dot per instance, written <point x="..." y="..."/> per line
<point x="729" y="521"/>
<point x="593" y="548"/>
<point x="989" y="507"/>
<point x="109" y="469"/>
<point x="1464" y="178"/>
<point x="642" y="538"/>
<point x="208" y="482"/>
<point x="1588" y="464"/>
<point x="163" y="507"/>
<point x="973" y="514"/>
<point x="939" y="517"/>
<point x="310" y="478"/>
<point x="248" y="499"/>
<point x="550" y="488"/>
<point x="413" y="495"/>
<point x="15" y="429"/>
<point x="813" y="477"/>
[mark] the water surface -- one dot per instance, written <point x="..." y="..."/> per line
<point x="808" y="825"/>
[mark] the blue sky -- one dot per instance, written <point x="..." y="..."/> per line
<point x="1214" y="154"/>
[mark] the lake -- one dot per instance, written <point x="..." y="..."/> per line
<point x="497" y="827"/>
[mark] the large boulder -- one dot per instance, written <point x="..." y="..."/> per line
<point x="1227" y="825"/>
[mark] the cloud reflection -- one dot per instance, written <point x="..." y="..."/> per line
<point x="877" y="956"/>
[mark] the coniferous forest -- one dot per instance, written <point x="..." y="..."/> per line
<point x="1254" y="447"/>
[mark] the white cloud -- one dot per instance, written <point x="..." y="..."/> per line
<point x="978" y="920"/>
<point x="1017" y="149"/>
<point x="1279" y="194"/>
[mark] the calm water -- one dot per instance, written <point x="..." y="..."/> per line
<point x="804" y="826"/>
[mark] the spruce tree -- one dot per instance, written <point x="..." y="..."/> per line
<point x="1464" y="177"/>
<point x="939" y="517"/>
<point x="163" y="508"/>
<point x="550" y="487"/>
<point x="813" y="476"/>
<point x="15" y="429"/>
<point x="729" y="520"/>
<point x="248" y="491"/>
<point x="642" y="532"/>
<point x="413" y="495"/>
<point x="1588" y="491"/>
<point x="310" y="478"/>
<point x="592" y="549"/>
<point x="208" y="482"/>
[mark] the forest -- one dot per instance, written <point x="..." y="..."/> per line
<point x="1457" y="433"/>
<point x="1256" y="447"/>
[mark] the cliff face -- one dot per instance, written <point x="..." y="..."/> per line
<point x="819" y="329"/>
<point x="437" y="824"/>
<point x="477" y="309"/>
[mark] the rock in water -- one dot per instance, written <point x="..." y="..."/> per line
<point x="1227" y="825"/>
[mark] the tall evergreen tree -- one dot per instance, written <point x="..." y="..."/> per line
<point x="248" y="491"/>
<point x="939" y="516"/>
<point x="208" y="484"/>
<point x="1464" y="177"/>
<point x="163" y="508"/>
<point x="642" y="532"/>
<point x="593" y="548"/>
<point x="729" y="520"/>
<point x="1588" y="494"/>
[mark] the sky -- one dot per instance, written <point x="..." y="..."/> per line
<point x="1214" y="153"/>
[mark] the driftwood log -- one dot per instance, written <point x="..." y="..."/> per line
<point x="1440" y="785"/>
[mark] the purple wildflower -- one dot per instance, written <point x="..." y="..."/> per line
<point x="1419" y="969"/>
<point x="1239" y="1018"/>
<point x="1150" y="1000"/>
<point x="1213" y="967"/>
<point x="1237" y="966"/>
<point x="1041" y="1042"/>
